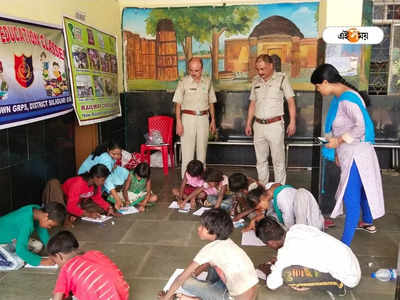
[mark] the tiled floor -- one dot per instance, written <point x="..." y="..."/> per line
<point x="148" y="247"/>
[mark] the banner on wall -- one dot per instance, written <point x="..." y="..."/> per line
<point x="92" y="59"/>
<point x="33" y="80"/>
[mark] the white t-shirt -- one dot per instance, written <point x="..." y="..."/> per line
<point x="309" y="247"/>
<point x="228" y="257"/>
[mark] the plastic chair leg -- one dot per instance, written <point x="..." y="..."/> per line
<point x="164" y="152"/>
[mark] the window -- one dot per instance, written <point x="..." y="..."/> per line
<point x="383" y="77"/>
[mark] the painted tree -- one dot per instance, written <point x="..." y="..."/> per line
<point x="231" y="20"/>
<point x="182" y="18"/>
<point x="204" y="24"/>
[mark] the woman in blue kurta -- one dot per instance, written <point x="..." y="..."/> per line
<point x="106" y="154"/>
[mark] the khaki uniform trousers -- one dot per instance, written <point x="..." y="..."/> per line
<point x="266" y="137"/>
<point x="194" y="138"/>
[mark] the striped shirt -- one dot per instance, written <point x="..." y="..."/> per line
<point x="92" y="276"/>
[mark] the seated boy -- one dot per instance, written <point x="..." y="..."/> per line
<point x="288" y="205"/>
<point x="231" y="271"/>
<point x="308" y="258"/>
<point x="90" y="275"/>
<point x="21" y="223"/>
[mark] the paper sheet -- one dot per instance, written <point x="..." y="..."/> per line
<point x="201" y="210"/>
<point x="175" y="205"/>
<point x="102" y="219"/>
<point x="249" y="238"/>
<point x="261" y="274"/>
<point x="128" y="210"/>
<point x="180" y="290"/>
<point x="54" y="267"/>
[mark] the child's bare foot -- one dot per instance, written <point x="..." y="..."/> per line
<point x="175" y="192"/>
<point x="141" y="208"/>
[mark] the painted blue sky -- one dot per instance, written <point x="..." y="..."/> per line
<point x="302" y="14"/>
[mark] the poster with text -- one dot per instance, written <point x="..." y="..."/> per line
<point x="92" y="59"/>
<point x="33" y="80"/>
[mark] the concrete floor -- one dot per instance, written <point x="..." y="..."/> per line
<point x="148" y="247"/>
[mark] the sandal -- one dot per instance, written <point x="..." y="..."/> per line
<point x="367" y="227"/>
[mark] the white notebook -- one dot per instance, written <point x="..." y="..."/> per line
<point x="175" y="205"/>
<point x="249" y="238"/>
<point x="128" y="210"/>
<point x="180" y="290"/>
<point x="101" y="219"/>
<point x="201" y="211"/>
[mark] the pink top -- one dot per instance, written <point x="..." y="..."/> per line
<point x="76" y="189"/>
<point x="194" y="181"/>
<point x="215" y="190"/>
<point x="92" y="276"/>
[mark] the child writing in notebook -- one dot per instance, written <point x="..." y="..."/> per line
<point x="216" y="187"/>
<point x="289" y="205"/>
<point x="21" y="223"/>
<point x="139" y="191"/>
<point x="90" y="275"/>
<point x="230" y="270"/>
<point x="191" y="180"/>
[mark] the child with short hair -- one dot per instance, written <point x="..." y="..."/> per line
<point x="21" y="223"/>
<point x="88" y="276"/>
<point x="191" y="180"/>
<point x="216" y="188"/>
<point x="116" y="186"/>
<point x="231" y="271"/>
<point x="139" y="190"/>
<point x="308" y="258"/>
<point x="289" y="205"/>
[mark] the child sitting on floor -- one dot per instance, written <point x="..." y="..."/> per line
<point x="90" y="275"/>
<point x="239" y="186"/>
<point x="21" y="223"/>
<point x="231" y="271"/>
<point x="139" y="192"/>
<point x="289" y="205"/>
<point x="192" y="180"/>
<point x="215" y="187"/>
<point x="308" y="258"/>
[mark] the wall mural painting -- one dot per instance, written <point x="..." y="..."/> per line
<point x="158" y="43"/>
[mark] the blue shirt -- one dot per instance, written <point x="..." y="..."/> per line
<point x="117" y="177"/>
<point x="104" y="159"/>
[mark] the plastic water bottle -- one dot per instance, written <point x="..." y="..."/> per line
<point x="385" y="274"/>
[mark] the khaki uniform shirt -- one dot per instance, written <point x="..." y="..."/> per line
<point x="194" y="95"/>
<point x="269" y="95"/>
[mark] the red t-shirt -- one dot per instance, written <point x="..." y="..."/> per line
<point x="92" y="276"/>
<point x="76" y="189"/>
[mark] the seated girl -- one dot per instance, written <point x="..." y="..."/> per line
<point x="106" y="154"/>
<point x="192" y="180"/>
<point x="216" y="188"/>
<point x="139" y="192"/>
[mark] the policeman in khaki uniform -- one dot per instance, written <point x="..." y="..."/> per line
<point x="194" y="98"/>
<point x="266" y="104"/>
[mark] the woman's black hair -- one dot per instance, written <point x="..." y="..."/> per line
<point x="142" y="170"/>
<point x="268" y="229"/>
<point x="253" y="197"/>
<point x="330" y="73"/>
<point x="195" y="168"/>
<point x="218" y="222"/>
<point x="212" y="175"/>
<point x="105" y="147"/>
<point x="62" y="242"/>
<point x="99" y="170"/>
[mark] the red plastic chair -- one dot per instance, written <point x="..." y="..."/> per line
<point x="164" y="125"/>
